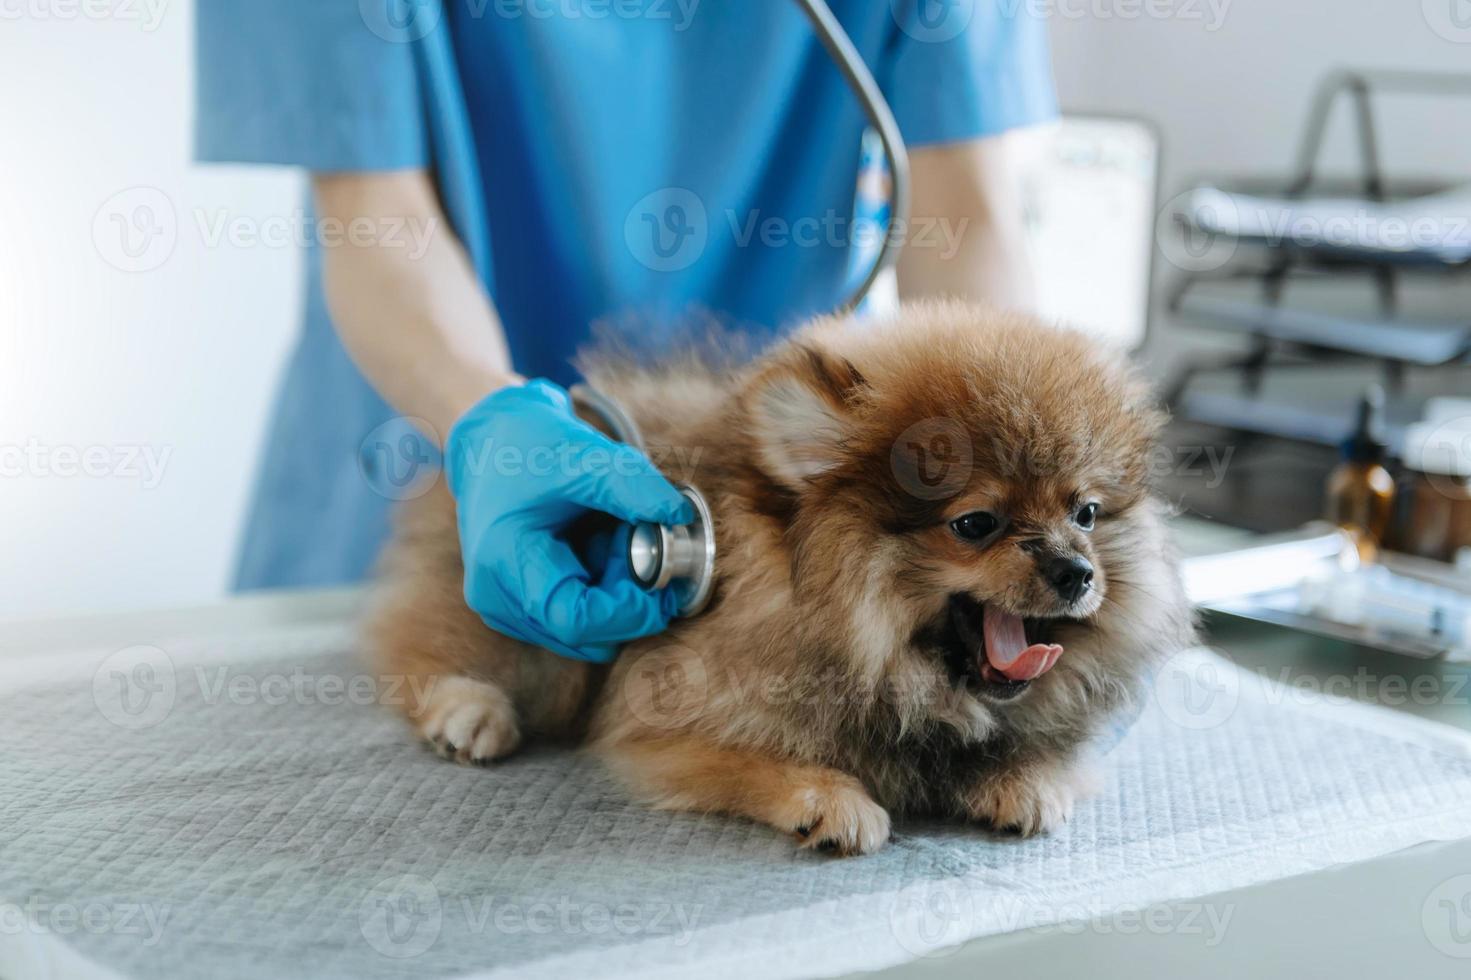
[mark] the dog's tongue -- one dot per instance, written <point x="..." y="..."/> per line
<point x="1007" y="650"/>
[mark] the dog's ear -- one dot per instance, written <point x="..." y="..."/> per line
<point x="802" y="411"/>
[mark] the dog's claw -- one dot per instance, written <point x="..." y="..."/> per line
<point x="469" y="721"/>
<point x="838" y="818"/>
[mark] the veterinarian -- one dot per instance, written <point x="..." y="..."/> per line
<point x="491" y="176"/>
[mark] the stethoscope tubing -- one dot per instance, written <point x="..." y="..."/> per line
<point x="694" y="590"/>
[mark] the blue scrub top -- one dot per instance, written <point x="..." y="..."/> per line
<point x="623" y="161"/>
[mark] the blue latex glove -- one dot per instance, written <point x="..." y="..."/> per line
<point x="527" y="473"/>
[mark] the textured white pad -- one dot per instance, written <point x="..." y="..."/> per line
<point x="240" y="808"/>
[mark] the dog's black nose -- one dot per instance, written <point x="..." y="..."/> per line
<point x="1071" y="577"/>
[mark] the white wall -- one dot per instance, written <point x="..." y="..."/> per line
<point x="175" y="361"/>
<point x="1229" y="81"/>
<point x="178" y="360"/>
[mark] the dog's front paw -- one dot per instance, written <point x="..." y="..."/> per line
<point x="835" y="814"/>
<point x="1033" y="799"/>
<point x="469" y="720"/>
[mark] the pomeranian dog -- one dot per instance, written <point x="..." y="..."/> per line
<point x="941" y="575"/>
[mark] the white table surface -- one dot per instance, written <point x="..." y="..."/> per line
<point x="1360" y="921"/>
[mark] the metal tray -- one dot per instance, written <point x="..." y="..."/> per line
<point x="1289" y="580"/>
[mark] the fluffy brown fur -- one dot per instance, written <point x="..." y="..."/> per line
<point x="826" y="685"/>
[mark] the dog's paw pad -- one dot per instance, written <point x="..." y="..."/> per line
<point x="469" y="721"/>
<point x="837" y="817"/>
<point x="1035" y="801"/>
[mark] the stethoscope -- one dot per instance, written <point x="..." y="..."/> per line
<point x="676" y="556"/>
<point x="681" y="557"/>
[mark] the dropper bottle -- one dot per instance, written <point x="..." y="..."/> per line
<point x="1360" y="489"/>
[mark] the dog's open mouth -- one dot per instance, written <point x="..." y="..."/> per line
<point x="1003" y="648"/>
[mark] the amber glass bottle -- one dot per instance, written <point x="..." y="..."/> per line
<point x="1360" y="489"/>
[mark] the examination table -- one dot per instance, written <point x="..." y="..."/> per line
<point x="204" y="793"/>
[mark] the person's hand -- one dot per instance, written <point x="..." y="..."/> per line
<point x="526" y="472"/>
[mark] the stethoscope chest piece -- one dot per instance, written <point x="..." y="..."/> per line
<point x="680" y="556"/>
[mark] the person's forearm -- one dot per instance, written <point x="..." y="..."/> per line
<point x="967" y="237"/>
<point x="405" y="299"/>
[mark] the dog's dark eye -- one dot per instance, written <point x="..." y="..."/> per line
<point x="975" y="526"/>
<point x="1087" y="516"/>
